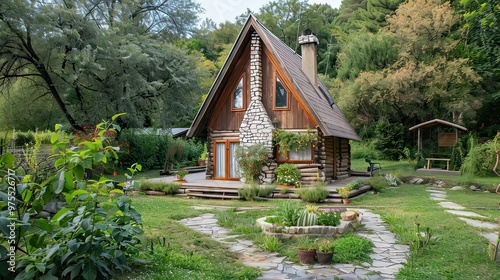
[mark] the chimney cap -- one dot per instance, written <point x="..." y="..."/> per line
<point x="307" y="32"/>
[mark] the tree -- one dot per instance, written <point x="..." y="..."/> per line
<point x="481" y="44"/>
<point x="95" y="58"/>
<point x="425" y="81"/>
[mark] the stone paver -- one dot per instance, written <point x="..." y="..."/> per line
<point x="479" y="224"/>
<point x="457" y="209"/>
<point x="465" y="213"/>
<point x="388" y="257"/>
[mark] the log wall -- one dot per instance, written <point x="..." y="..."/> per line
<point x="343" y="158"/>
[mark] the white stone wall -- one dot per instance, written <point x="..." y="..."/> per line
<point x="256" y="127"/>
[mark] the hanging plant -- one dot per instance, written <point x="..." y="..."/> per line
<point x="288" y="141"/>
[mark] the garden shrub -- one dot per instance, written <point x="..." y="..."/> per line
<point x="288" y="210"/>
<point x="352" y="248"/>
<point x="252" y="191"/>
<point x="287" y="174"/>
<point x="97" y="232"/>
<point x="480" y="160"/>
<point x="329" y="217"/>
<point x="251" y="160"/>
<point x="365" y="149"/>
<point x="378" y="183"/>
<point x="171" y="188"/>
<point x="313" y="194"/>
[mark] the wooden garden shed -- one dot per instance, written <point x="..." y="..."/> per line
<point x="444" y="138"/>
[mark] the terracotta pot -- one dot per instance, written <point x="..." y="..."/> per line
<point x="345" y="200"/>
<point x="324" y="258"/>
<point x="306" y="257"/>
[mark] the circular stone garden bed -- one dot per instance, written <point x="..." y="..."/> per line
<point x="348" y="218"/>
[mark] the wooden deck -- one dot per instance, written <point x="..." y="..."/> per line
<point x="197" y="186"/>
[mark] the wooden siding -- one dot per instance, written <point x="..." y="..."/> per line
<point x="294" y="118"/>
<point x="224" y="118"/>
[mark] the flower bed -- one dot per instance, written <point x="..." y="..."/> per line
<point x="316" y="230"/>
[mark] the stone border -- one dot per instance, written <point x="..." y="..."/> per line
<point x="289" y="232"/>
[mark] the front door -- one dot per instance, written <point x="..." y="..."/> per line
<point x="226" y="165"/>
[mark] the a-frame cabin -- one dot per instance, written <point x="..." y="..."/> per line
<point x="265" y="85"/>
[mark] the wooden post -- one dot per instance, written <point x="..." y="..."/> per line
<point x="419" y="140"/>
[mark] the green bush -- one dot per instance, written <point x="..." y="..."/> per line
<point x="97" y="232"/>
<point x="352" y="248"/>
<point x="252" y="191"/>
<point x="288" y="210"/>
<point x="171" y="188"/>
<point x="480" y="160"/>
<point x="378" y="183"/>
<point x="287" y="174"/>
<point x="251" y="159"/>
<point x="313" y="194"/>
<point x="365" y="149"/>
<point x="329" y="217"/>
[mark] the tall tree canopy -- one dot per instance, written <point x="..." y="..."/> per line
<point x="425" y="81"/>
<point x="96" y="58"/>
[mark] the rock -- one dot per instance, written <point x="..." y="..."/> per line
<point x="474" y="188"/>
<point x="439" y="183"/>
<point x="349" y="216"/>
<point x="416" y="181"/>
<point x="457" y="188"/>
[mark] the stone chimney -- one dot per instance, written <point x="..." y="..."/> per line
<point x="308" y="43"/>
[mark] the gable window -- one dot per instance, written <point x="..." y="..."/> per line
<point x="238" y="96"/>
<point x="280" y="96"/>
<point x="304" y="154"/>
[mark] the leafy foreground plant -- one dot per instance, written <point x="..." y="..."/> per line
<point x="97" y="232"/>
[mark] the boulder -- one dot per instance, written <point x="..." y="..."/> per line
<point x="416" y="181"/>
<point x="457" y="188"/>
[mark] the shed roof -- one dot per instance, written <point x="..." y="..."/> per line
<point x="437" y="122"/>
<point x="330" y="119"/>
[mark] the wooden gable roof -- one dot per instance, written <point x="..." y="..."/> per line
<point x="318" y="101"/>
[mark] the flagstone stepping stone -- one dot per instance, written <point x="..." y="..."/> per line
<point x="465" y="213"/>
<point x="451" y="205"/>
<point x="491" y="236"/>
<point x="479" y="224"/>
<point x="435" y="191"/>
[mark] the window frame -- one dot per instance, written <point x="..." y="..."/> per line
<point x="287" y="156"/>
<point x="287" y="107"/>
<point x="242" y="79"/>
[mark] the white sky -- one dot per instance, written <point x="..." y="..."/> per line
<point x="222" y="10"/>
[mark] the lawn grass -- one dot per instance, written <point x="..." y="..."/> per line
<point x="187" y="254"/>
<point x="458" y="253"/>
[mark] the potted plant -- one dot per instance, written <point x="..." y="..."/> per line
<point x="203" y="157"/>
<point x="287" y="174"/>
<point x="344" y="193"/>
<point x="180" y="175"/>
<point x="306" y="250"/>
<point x="324" y="252"/>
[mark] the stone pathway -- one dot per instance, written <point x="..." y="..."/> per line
<point x="465" y="215"/>
<point x="388" y="257"/>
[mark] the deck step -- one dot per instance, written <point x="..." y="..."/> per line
<point x="211" y="190"/>
<point x="212" y="195"/>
